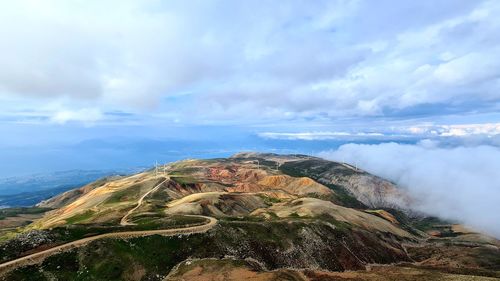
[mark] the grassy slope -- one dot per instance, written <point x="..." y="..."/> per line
<point x="296" y="243"/>
<point x="17" y="247"/>
<point x="293" y="242"/>
<point x="12" y="212"/>
<point x="277" y="244"/>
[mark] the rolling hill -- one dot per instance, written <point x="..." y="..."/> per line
<point x="273" y="217"/>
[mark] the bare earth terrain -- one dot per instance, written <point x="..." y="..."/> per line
<point x="247" y="217"/>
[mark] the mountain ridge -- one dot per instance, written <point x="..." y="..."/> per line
<point x="283" y="211"/>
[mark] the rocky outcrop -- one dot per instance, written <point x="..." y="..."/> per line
<point x="298" y="186"/>
<point x="217" y="204"/>
<point x="372" y="191"/>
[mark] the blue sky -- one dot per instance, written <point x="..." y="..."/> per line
<point x="87" y="84"/>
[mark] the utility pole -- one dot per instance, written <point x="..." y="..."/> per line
<point x="156" y="169"/>
<point x="253" y="162"/>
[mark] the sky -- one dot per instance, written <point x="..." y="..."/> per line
<point x="409" y="90"/>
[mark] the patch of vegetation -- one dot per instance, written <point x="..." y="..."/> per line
<point x="63" y="266"/>
<point x="417" y="225"/>
<point x="344" y="198"/>
<point x="77" y="231"/>
<point x="405" y="222"/>
<point x="183" y="171"/>
<point x="115" y="259"/>
<point x="277" y="235"/>
<point x="269" y="200"/>
<point x="79" y="218"/>
<point x="275" y="244"/>
<point x="315" y="167"/>
<point x="489" y="258"/>
<point x="20" y="245"/>
<point x="243" y="219"/>
<point x="263" y="163"/>
<point x="133" y="192"/>
<point x="428" y="223"/>
<point x="160" y="195"/>
<point x="182" y="180"/>
<point x="12" y="212"/>
<point x="128" y="194"/>
<point x="273" y="215"/>
<point x="30" y="272"/>
<point x="340" y="225"/>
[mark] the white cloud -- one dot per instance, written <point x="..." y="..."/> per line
<point x="420" y="131"/>
<point x="456" y="130"/>
<point x="318" y="135"/>
<point x="246" y="60"/>
<point x="460" y="183"/>
<point x="408" y="72"/>
<point x="87" y="116"/>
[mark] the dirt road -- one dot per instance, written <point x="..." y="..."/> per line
<point x="124" y="220"/>
<point x="40" y="256"/>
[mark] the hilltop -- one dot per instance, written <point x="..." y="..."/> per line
<point x="271" y="215"/>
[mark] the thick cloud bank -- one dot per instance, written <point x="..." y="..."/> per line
<point x="247" y="60"/>
<point x="461" y="183"/>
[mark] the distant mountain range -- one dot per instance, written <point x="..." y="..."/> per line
<point x="31" y="189"/>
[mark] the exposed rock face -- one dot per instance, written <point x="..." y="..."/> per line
<point x="299" y="186"/>
<point x="177" y="191"/>
<point x="279" y="211"/>
<point x="243" y="173"/>
<point x="242" y="179"/>
<point x="372" y="191"/>
<point x="218" y="204"/>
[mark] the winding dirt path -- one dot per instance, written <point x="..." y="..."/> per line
<point x="40" y="256"/>
<point x="124" y="220"/>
